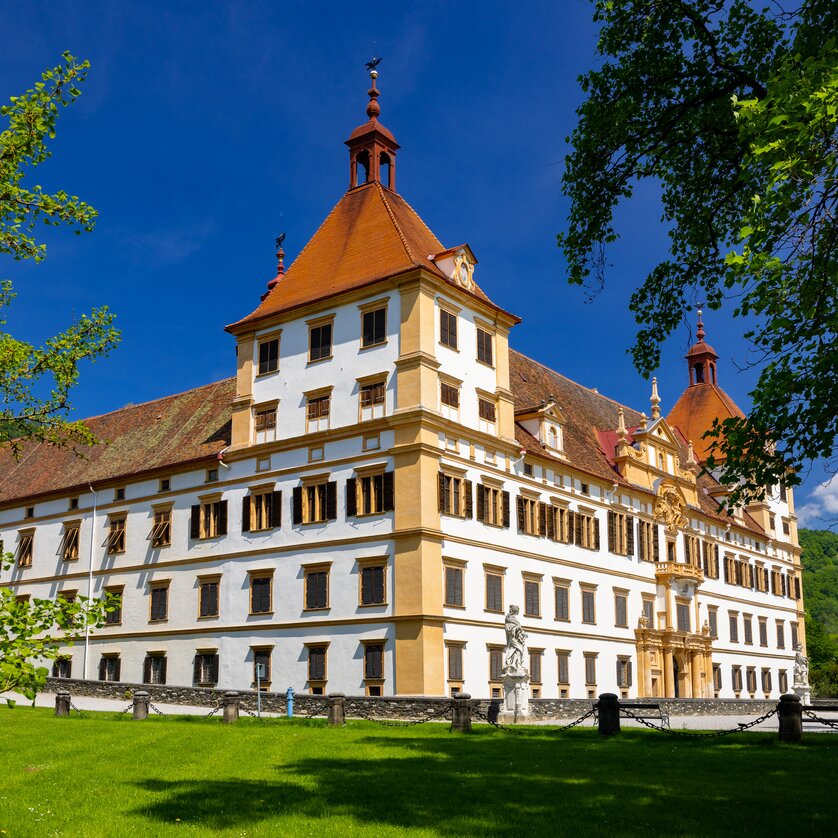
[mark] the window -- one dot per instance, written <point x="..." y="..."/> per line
<point x="691" y="550"/>
<point x="165" y="485"/>
<point x="374" y="327"/>
<point x="532" y="516"/>
<point x="486" y="415"/>
<point x="115" y="541"/>
<point x="710" y="559"/>
<point x="682" y="611"/>
<point x="261" y="600"/>
<point x="317" y="665"/>
<point x="161" y="528"/>
<point x="318" y="409"/>
<point x="495" y="664"/>
<point x="590" y="668"/>
<point x="494" y="591"/>
<point x="532" y="598"/>
<point x="316" y="588"/>
<point x="748" y="629"/>
<point x="484" y="347"/>
<point x="563" y="659"/>
<point x="751" y="679"/>
<point x="736" y="679"/>
<point x="621" y="609"/>
<point x="454" y="586"/>
<point x="211" y="476"/>
<point x="373" y="589"/>
<point x="447" y="328"/>
<point x="528" y="469"/>
<point x="765" y="677"/>
<point x="261" y="510"/>
<point x="624" y="673"/>
<point x="670" y="551"/>
<point x="713" y="621"/>
<point x="620" y="534"/>
<point x="119" y="494"/>
<point x="795" y="639"/>
<point x="74" y="503"/>
<point x="586" y="530"/>
<point x="734" y="627"/>
<point x="263" y="464"/>
<point x="268" y="356"/>
<point x="264" y="424"/>
<point x="761" y="578"/>
<point x="320" y="342"/>
<point x="159" y="609"/>
<point x="535" y="665"/>
<point x="69" y="548"/>
<point x="763" y="631"/>
<point x="109" y="668"/>
<point x="649" y="611"/>
<point x="205" y="669"/>
<point x="372" y="397"/>
<point x="114" y="616"/>
<point x="154" y="669"/>
<point x="562" y="593"/>
<point x="208" y="597"/>
<point x="315" y="502"/>
<point x="648" y="547"/>
<point x="370" y="494"/>
<point x="786" y="528"/>
<point x="455" y="495"/>
<point x="455" y="662"/>
<point x="373" y="661"/>
<point x="783" y="496"/>
<point x="62" y="668"/>
<point x="781" y="635"/>
<point x="30" y="512"/>
<point x="588" y="606"/>
<point x="262" y="658"/>
<point x="717" y="678"/>
<point x="209" y="519"/>
<point x="784" y="681"/>
<point x="559" y="527"/>
<point x="449" y="399"/>
<point x="492" y="505"/>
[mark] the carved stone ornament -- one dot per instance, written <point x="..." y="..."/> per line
<point x="669" y="509"/>
<point x="516" y="644"/>
<point x="463" y="270"/>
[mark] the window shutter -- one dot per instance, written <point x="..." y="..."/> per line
<point x="629" y="536"/>
<point x="542" y="518"/>
<point x="366" y="586"/>
<point x="467" y="489"/>
<point x="163" y="670"/>
<point x="195" y="522"/>
<point x="388" y="491"/>
<point x="214" y="669"/>
<point x="641" y="541"/>
<point x="481" y="502"/>
<point x="506" y="509"/>
<point x="612" y="534"/>
<point x="550" y="520"/>
<point x="147" y="670"/>
<point x="331" y="500"/>
<point x="246" y="513"/>
<point x="628" y="674"/>
<point x="442" y="505"/>
<point x="378" y="584"/>
<point x="222" y="517"/>
<point x="656" y="550"/>
<point x="704" y="558"/>
<point x="297" y="505"/>
<point x="596" y="533"/>
<point x="117" y="669"/>
<point x="311" y="590"/>
<point x="521" y="517"/>
<point x="620" y="682"/>
<point x="196" y="670"/>
<point x="276" y="509"/>
<point x="796" y="587"/>
<point x="102" y="665"/>
<point x="577" y="529"/>
<point x="686" y="549"/>
<point x="351" y="498"/>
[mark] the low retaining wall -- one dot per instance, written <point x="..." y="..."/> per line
<point x="397" y="707"/>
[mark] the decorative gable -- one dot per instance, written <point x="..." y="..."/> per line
<point x="546" y="423"/>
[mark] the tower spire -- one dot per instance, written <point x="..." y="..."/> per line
<point x="701" y="358"/>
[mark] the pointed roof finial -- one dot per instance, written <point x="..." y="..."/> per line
<point x="621" y="425"/>
<point x="280" y="264"/>
<point x="700" y="331"/>
<point x="643" y="420"/>
<point x="655" y="400"/>
<point x="373" y="108"/>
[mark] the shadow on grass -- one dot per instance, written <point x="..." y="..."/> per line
<point x="530" y="784"/>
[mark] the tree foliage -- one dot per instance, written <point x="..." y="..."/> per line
<point x="35" y="381"/>
<point x="732" y="111"/>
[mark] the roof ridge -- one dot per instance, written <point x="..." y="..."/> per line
<point x="399" y="230"/>
<point x="418" y="216"/>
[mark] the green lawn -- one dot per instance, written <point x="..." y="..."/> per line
<point x="106" y="776"/>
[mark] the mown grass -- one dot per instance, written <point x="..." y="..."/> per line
<point x="101" y="775"/>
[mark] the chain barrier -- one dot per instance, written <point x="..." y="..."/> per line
<point x="311" y="713"/>
<point x="155" y="710"/>
<point x="508" y="729"/>
<point x="821" y="719"/>
<point x="407" y="723"/>
<point x="742" y="726"/>
<point x="129" y="707"/>
<point x="213" y="711"/>
<point x="73" y="707"/>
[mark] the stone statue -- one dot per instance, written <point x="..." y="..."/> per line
<point x="516" y="640"/>
<point x="643" y="622"/>
<point x="801" y="667"/>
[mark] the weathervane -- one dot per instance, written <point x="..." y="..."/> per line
<point x="280" y="253"/>
<point x="371" y="67"/>
<point x="373" y="108"/>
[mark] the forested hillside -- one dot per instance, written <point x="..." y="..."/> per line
<point x="820" y="596"/>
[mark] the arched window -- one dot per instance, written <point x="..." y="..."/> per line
<point x="362" y="164"/>
<point x="385" y="169"/>
<point x="699" y="373"/>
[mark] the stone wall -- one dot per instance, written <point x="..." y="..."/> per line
<point x="397" y="707"/>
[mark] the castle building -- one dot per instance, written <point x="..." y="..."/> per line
<point x="356" y="509"/>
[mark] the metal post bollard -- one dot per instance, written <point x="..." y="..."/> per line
<point x="461" y="715"/>
<point x="230" y="703"/>
<point x="336" y="702"/>
<point x="141" y="702"/>
<point x="790" y="715"/>
<point x="289" y="702"/>
<point x="608" y="708"/>
<point x="62" y="703"/>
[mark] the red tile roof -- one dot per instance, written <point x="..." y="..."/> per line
<point x="695" y="410"/>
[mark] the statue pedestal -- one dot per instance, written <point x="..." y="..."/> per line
<point x="804" y="693"/>
<point x="516" y="695"/>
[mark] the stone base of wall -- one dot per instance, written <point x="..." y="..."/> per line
<point x="398" y="707"/>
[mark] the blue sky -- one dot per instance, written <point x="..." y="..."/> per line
<point x="205" y="129"/>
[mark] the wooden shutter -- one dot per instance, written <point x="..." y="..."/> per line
<point x="641" y="540"/>
<point x="222" y="517"/>
<point x="542" y="518"/>
<point x="246" y="513"/>
<point x="378" y="584"/>
<point x="628" y="674"/>
<point x="276" y="509"/>
<point x="163" y="669"/>
<point x="612" y="534"/>
<point x="577" y="529"/>
<point x="481" y="502"/>
<point x="629" y="536"/>
<point x="331" y="500"/>
<point x="550" y="520"/>
<point x="297" y="505"/>
<point x="469" y="504"/>
<point x="147" y="670"/>
<point x="102" y="668"/>
<point x="366" y="586"/>
<point x="388" y="491"/>
<point x="656" y="549"/>
<point x="195" y="522"/>
<point x="196" y="670"/>
<point x="506" y="509"/>
<point x="441" y="485"/>
<point x="620" y="682"/>
<point x="311" y="589"/>
<point x="117" y="670"/>
<point x="351" y="497"/>
<point x="214" y="669"/>
<point x="596" y="533"/>
<point x="522" y="522"/>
